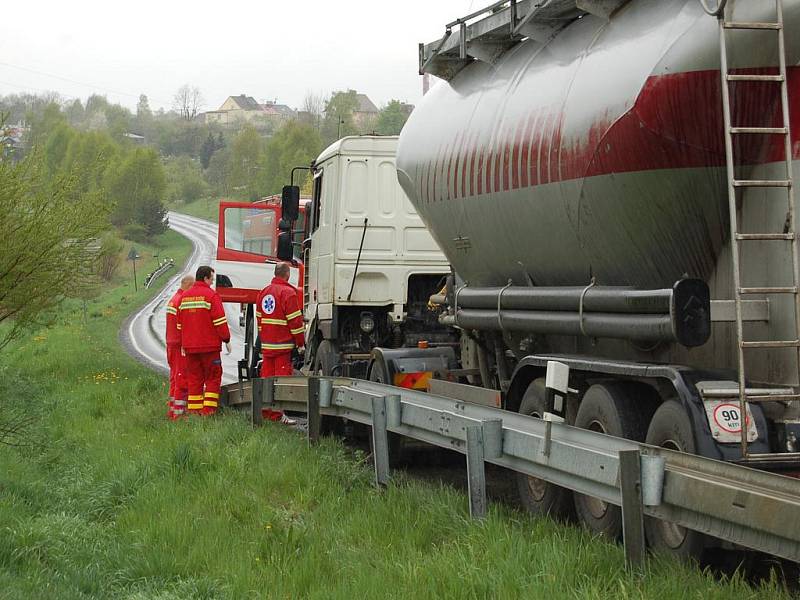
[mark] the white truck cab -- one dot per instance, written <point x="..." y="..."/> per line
<point x="370" y="263"/>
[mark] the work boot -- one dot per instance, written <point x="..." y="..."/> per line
<point x="284" y="420"/>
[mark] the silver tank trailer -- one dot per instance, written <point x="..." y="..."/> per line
<point x="601" y="154"/>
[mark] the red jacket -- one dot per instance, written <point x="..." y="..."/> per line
<point x="280" y="320"/>
<point x="173" y="337"/>
<point x="202" y="324"/>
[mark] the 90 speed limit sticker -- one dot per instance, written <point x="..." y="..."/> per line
<point x="725" y="420"/>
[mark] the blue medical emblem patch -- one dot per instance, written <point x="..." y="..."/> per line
<point x="268" y="304"/>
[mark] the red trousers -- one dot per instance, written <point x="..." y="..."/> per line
<point x="177" y="381"/>
<point x="275" y="365"/>
<point x="203" y="378"/>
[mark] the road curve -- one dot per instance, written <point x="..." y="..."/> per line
<point x="142" y="334"/>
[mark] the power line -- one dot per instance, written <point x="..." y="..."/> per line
<point x="76" y="82"/>
<point x="25" y="88"/>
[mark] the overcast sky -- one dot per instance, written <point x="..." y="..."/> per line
<point x="268" y="50"/>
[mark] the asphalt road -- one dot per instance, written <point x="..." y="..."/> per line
<point x="143" y="332"/>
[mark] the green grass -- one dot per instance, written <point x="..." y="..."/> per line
<point x="117" y="502"/>
<point x="205" y="208"/>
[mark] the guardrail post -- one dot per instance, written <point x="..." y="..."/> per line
<point x="325" y="392"/>
<point x="476" y="474"/>
<point x="380" y="441"/>
<point x="630" y="476"/>
<point x="256" y="416"/>
<point x="314" y="415"/>
<point x="393" y="411"/>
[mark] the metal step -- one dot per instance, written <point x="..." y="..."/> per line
<point x="733" y="392"/>
<point x="777" y="461"/>
<point x="760" y="130"/>
<point x="772" y="344"/>
<point x="764" y="236"/>
<point x="774" y="398"/>
<point x="775" y="78"/>
<point x="762" y="183"/>
<point x="752" y="395"/>
<point x="768" y="290"/>
<point x="752" y="25"/>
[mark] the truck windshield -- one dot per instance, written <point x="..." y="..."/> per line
<point x="250" y="230"/>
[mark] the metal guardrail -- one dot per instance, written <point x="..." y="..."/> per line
<point x="750" y="508"/>
<point x="164" y="266"/>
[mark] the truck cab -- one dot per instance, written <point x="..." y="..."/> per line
<point x="370" y="262"/>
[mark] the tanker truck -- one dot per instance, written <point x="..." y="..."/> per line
<point x="611" y="183"/>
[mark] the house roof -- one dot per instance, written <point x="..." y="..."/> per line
<point x="246" y="102"/>
<point x="365" y="105"/>
<point x="277" y="109"/>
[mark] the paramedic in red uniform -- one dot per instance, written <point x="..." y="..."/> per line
<point x="203" y="328"/>
<point x="280" y="327"/>
<point x="177" y="379"/>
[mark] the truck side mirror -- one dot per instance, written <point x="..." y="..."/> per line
<point x="285" y="248"/>
<point x="290" y="202"/>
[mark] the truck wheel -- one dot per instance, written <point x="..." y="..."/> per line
<point x="379" y="373"/>
<point x="324" y="361"/>
<point x="672" y="429"/>
<point x="537" y="495"/>
<point x="608" y="408"/>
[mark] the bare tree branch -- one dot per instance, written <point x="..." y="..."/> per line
<point x="188" y="101"/>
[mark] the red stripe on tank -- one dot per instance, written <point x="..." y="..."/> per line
<point x="526" y="148"/>
<point x="462" y="165"/>
<point x="506" y="166"/>
<point x="675" y="123"/>
<point x="497" y="156"/>
<point x="516" y="151"/>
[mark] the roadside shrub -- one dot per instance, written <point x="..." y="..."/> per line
<point x="110" y="257"/>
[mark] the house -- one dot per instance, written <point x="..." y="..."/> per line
<point x="365" y="116"/>
<point x="237" y="110"/>
<point x="12" y="143"/>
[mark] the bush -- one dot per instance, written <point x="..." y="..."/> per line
<point x="185" y="181"/>
<point x="110" y="257"/>
<point x="135" y="232"/>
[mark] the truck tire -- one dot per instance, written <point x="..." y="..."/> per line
<point x="608" y="408"/>
<point x="672" y="429"/>
<point x="324" y="361"/>
<point x="536" y="495"/>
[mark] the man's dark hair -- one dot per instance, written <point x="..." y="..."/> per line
<point x="282" y="270"/>
<point x="203" y="272"/>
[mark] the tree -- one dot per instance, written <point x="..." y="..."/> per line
<point x="338" y="121"/>
<point x="90" y="155"/>
<point x="143" y="111"/>
<point x="49" y="244"/>
<point x="392" y="118"/>
<point x="185" y="180"/>
<point x="44" y="123"/>
<point x="218" y="173"/>
<point x="313" y="107"/>
<point x="137" y="188"/>
<point x="295" y="144"/>
<point x="56" y="148"/>
<point x="207" y="151"/>
<point x="246" y="153"/>
<point x="188" y="101"/>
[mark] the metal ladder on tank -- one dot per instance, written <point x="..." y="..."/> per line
<point x="747" y="395"/>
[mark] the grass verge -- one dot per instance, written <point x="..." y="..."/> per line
<point x="114" y="501"/>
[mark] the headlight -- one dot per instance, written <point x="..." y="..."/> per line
<point x="367" y="322"/>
